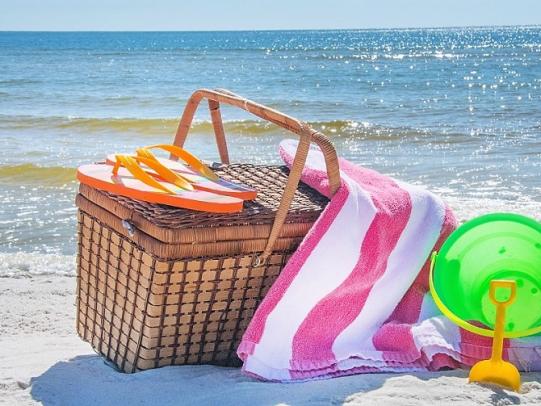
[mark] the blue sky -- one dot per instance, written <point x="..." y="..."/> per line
<point x="260" y="14"/>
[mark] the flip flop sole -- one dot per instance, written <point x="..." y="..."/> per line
<point x="124" y="183"/>
<point x="221" y="187"/>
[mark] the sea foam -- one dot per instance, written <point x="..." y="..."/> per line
<point x="28" y="264"/>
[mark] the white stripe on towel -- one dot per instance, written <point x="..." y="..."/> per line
<point x="417" y="239"/>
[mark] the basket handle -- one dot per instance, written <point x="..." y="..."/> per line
<point x="303" y="130"/>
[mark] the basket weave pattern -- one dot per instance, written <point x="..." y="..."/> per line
<point x="140" y="312"/>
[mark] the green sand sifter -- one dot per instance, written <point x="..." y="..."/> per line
<point x="501" y="246"/>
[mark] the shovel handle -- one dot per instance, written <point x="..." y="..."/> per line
<point x="503" y="284"/>
<point x="499" y="325"/>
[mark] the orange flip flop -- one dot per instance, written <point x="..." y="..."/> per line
<point x="127" y="178"/>
<point x="194" y="171"/>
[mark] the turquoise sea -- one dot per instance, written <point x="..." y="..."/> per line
<point x="457" y="110"/>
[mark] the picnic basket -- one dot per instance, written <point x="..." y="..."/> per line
<point x="158" y="285"/>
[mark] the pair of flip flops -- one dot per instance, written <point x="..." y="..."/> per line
<point x="186" y="183"/>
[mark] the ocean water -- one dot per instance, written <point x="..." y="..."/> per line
<point x="455" y="110"/>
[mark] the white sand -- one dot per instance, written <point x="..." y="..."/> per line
<point x="43" y="360"/>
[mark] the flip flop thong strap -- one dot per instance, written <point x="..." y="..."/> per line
<point x="191" y="160"/>
<point x="164" y="172"/>
<point x="133" y="167"/>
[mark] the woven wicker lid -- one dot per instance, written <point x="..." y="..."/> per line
<point x="175" y="225"/>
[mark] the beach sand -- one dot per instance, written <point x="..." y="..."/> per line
<point x="43" y="360"/>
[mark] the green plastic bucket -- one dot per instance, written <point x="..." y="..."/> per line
<point x="494" y="246"/>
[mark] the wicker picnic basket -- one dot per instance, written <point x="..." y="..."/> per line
<point x="161" y="286"/>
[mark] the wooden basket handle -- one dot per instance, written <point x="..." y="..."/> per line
<point x="303" y="130"/>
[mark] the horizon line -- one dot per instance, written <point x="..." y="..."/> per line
<point x="280" y="29"/>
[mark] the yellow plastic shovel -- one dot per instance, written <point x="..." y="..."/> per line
<point x="495" y="370"/>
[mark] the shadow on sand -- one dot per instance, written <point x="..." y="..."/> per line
<point x="87" y="380"/>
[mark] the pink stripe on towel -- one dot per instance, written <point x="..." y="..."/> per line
<point x="409" y="308"/>
<point x="349" y="298"/>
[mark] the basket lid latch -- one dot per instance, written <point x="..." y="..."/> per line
<point x="129" y="226"/>
<point x="260" y="260"/>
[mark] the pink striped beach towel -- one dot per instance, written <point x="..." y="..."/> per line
<point x="354" y="297"/>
